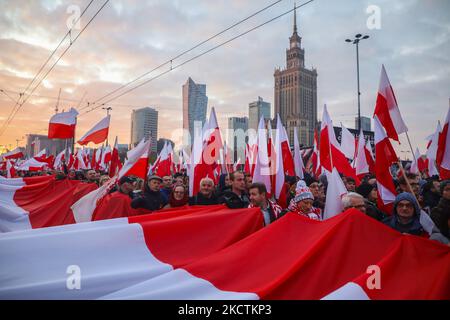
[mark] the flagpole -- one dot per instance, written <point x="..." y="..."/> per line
<point x="407" y="182"/>
<point x="410" y="146"/>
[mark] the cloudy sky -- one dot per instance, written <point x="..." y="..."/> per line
<point x="128" y="38"/>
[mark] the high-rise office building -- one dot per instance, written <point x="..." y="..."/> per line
<point x="237" y="137"/>
<point x="195" y="103"/>
<point x="144" y="123"/>
<point x="257" y="109"/>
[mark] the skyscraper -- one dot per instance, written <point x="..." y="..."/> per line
<point x="144" y="123"/>
<point x="237" y="131"/>
<point x="195" y="103"/>
<point x="255" y="110"/>
<point x="296" y="92"/>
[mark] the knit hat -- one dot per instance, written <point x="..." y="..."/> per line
<point x="302" y="192"/>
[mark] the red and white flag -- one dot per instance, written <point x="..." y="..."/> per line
<point x="331" y="154"/>
<point x="386" y="108"/>
<point x="10" y="170"/>
<point x="288" y="160"/>
<point x="98" y="133"/>
<point x="278" y="163"/>
<point x="262" y="170"/>
<point x="115" y="161"/>
<point x="415" y="163"/>
<point x="164" y="164"/>
<point x="62" y="125"/>
<point x="84" y="208"/>
<point x="385" y="156"/>
<point x="298" y="160"/>
<point x="335" y="191"/>
<point x="361" y="163"/>
<point x="32" y="165"/>
<point x="348" y="143"/>
<point x="443" y="151"/>
<point x="15" y="154"/>
<point x="432" y="152"/>
<point x="177" y="255"/>
<point x="58" y="164"/>
<point x="137" y="161"/>
<point x="38" y="202"/>
<point x="369" y="157"/>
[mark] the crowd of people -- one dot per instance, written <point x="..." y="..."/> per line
<point x="418" y="198"/>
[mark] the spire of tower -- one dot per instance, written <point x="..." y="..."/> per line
<point x="295" y="18"/>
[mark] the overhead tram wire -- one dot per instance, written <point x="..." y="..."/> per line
<point x="196" y="57"/>
<point x="45" y="63"/>
<point x="67" y="99"/>
<point x="181" y="54"/>
<point x="56" y="62"/>
<point x="62" y="40"/>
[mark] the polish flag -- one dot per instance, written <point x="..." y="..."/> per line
<point x="335" y="191"/>
<point x="361" y="163"/>
<point x="278" y="164"/>
<point x="432" y="152"/>
<point x="98" y="133"/>
<point x="385" y="157"/>
<point x="443" y="151"/>
<point x="415" y="164"/>
<point x="15" y="154"/>
<point x="247" y="160"/>
<point x="38" y="202"/>
<point x="262" y="169"/>
<point x="330" y="151"/>
<point x="62" y="125"/>
<point x="137" y="161"/>
<point x="163" y="168"/>
<point x="212" y="145"/>
<point x="10" y="170"/>
<point x="288" y="160"/>
<point x="79" y="163"/>
<point x="115" y="161"/>
<point x="177" y="255"/>
<point x="298" y="160"/>
<point x="315" y="156"/>
<point x="106" y="157"/>
<point x="348" y="143"/>
<point x="58" y="165"/>
<point x="236" y="165"/>
<point x="41" y="156"/>
<point x="369" y="157"/>
<point x="326" y="129"/>
<point x="32" y="165"/>
<point x="386" y="108"/>
<point x="98" y="158"/>
<point x="206" y="153"/>
<point x="84" y="208"/>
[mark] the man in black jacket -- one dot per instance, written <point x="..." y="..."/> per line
<point x="152" y="199"/>
<point x="206" y="194"/>
<point x="236" y="197"/>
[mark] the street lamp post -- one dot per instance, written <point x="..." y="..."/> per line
<point x="356" y="41"/>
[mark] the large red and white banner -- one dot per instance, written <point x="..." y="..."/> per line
<point x="219" y="253"/>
